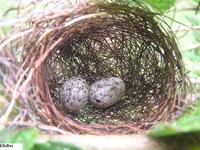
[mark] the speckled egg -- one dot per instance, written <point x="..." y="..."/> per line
<point x="74" y="94"/>
<point x="107" y="91"/>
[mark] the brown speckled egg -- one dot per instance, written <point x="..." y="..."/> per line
<point x="107" y="91"/>
<point x="74" y="94"/>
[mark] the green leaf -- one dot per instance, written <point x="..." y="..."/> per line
<point x="193" y="19"/>
<point x="55" y="146"/>
<point x="188" y="123"/>
<point x="25" y="136"/>
<point x="197" y="36"/>
<point x="191" y="55"/>
<point x="197" y="1"/>
<point x="162" y="5"/>
<point x="43" y="146"/>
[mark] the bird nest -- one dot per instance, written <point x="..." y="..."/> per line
<point x="95" y="41"/>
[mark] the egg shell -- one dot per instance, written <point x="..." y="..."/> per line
<point x="74" y="94"/>
<point x="107" y="91"/>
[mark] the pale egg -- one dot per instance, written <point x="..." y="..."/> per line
<point x="74" y="94"/>
<point x="107" y="91"/>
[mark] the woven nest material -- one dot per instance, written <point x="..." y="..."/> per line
<point x="94" y="41"/>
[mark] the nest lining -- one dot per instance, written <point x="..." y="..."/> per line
<point x="102" y="55"/>
<point x="97" y="41"/>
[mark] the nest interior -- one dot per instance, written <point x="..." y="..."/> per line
<point x="96" y="41"/>
<point x="114" y="47"/>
